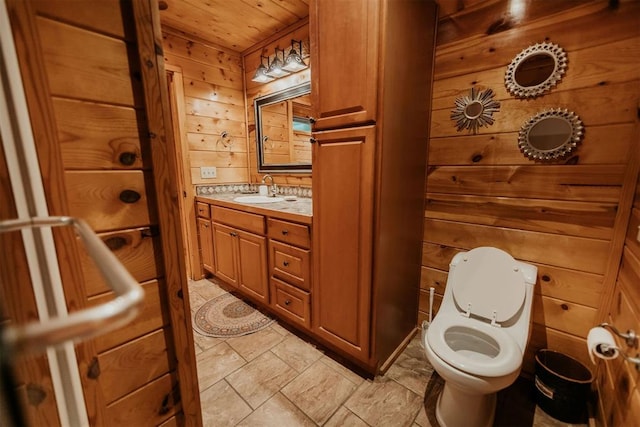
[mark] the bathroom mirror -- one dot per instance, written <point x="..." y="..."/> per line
<point x="536" y="70"/>
<point x="550" y="135"/>
<point x="475" y="110"/>
<point x="283" y="130"/>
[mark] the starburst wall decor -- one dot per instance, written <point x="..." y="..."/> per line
<point x="475" y="110"/>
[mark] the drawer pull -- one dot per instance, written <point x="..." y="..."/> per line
<point x="287" y="302"/>
<point x="285" y="232"/>
<point x="233" y="234"/>
<point x="115" y="243"/>
<point x="129" y="196"/>
<point x="127" y="158"/>
<point x="286" y="263"/>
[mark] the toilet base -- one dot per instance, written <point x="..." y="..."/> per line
<point x="455" y="408"/>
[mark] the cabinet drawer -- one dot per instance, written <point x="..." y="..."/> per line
<point x="289" y="232"/>
<point x="291" y="302"/>
<point x="244" y="220"/>
<point x="202" y="210"/>
<point x="290" y="264"/>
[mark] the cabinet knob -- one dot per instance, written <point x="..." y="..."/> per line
<point x="312" y="120"/>
<point x="287" y="302"/>
<point x="285" y="232"/>
<point x="233" y="234"/>
<point x="206" y="225"/>
<point x="286" y="263"/>
<point x="313" y="140"/>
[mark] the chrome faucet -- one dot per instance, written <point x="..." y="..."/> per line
<point x="273" y="188"/>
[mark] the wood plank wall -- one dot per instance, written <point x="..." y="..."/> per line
<point x="481" y="191"/>
<point x="80" y="66"/>
<point x="251" y="58"/>
<point x="618" y="382"/>
<point x="213" y="103"/>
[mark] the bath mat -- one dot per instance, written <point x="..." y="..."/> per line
<point x="226" y="316"/>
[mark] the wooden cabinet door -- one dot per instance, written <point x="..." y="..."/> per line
<point x="343" y="191"/>
<point x="252" y="265"/>
<point x="206" y="244"/>
<point x="225" y="254"/>
<point x="344" y="54"/>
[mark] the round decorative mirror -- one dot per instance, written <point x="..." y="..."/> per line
<point x="536" y="70"/>
<point x="550" y="135"/>
<point x="475" y="110"/>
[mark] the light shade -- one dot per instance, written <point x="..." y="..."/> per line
<point x="275" y="69"/>
<point x="294" y="61"/>
<point x="261" y="75"/>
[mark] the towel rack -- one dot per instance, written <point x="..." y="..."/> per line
<point x="37" y="336"/>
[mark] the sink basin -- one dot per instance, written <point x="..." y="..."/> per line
<point x="257" y="199"/>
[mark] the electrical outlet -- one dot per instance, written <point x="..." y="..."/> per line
<point x="208" y="172"/>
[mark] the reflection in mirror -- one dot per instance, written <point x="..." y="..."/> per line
<point x="536" y="70"/>
<point x="475" y="110"/>
<point x="550" y="135"/>
<point x="283" y="130"/>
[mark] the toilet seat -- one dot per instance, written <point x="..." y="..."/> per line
<point x="487" y="283"/>
<point x="507" y="360"/>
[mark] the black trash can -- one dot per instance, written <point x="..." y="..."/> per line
<point x="563" y="386"/>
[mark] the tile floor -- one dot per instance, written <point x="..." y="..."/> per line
<point x="274" y="378"/>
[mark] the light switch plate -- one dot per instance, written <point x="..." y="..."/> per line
<point x="208" y="172"/>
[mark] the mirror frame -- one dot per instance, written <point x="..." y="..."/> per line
<point x="553" y="50"/>
<point x="472" y="122"/>
<point x="560" y="152"/>
<point x="269" y="99"/>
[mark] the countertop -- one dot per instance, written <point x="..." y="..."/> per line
<point x="300" y="210"/>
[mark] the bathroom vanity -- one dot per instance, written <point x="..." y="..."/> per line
<point x="261" y="250"/>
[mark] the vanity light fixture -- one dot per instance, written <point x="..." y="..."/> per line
<point x="261" y="75"/>
<point x="275" y="69"/>
<point x="294" y="60"/>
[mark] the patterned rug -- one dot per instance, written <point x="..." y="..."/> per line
<point x="227" y="316"/>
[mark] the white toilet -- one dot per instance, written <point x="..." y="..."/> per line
<point x="477" y="339"/>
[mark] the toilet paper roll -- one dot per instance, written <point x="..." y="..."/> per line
<point x="601" y="344"/>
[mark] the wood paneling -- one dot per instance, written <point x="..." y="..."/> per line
<point x="94" y="111"/>
<point x="235" y="25"/>
<point x="137" y="249"/>
<point x="99" y="136"/>
<point x="562" y="217"/>
<point x="213" y="103"/>
<point x="99" y="65"/>
<point x="150" y="405"/>
<point x="121" y="365"/>
<point x="618" y="381"/>
<point x="98" y="198"/>
<point x="153" y="316"/>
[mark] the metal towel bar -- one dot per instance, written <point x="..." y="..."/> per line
<point x="37" y="336"/>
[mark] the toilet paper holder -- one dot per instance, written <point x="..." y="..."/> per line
<point x="630" y="337"/>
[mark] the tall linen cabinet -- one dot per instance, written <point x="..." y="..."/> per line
<point x="371" y="89"/>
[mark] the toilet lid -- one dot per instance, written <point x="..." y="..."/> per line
<point x="486" y="280"/>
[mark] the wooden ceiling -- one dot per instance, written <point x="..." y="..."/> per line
<point x="233" y="24"/>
